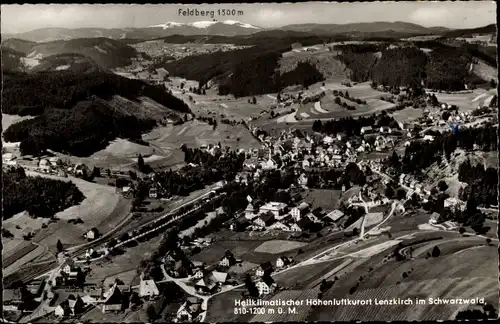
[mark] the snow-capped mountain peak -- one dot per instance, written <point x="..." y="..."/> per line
<point x="204" y="24"/>
<point x="170" y="24"/>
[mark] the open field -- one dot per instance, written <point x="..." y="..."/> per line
<point x="22" y="224"/>
<point x="278" y="246"/>
<point x="448" y="277"/>
<point x="466" y="101"/>
<point x="407" y="115"/>
<point x="326" y="199"/>
<point x="124" y="149"/>
<point x="195" y="133"/>
<point x="123" y="265"/>
<point x="307" y="275"/>
<point x="231" y="108"/>
<point x="485" y="71"/>
<point x="302" y="312"/>
<point x="199" y="224"/>
<point x="215" y="252"/>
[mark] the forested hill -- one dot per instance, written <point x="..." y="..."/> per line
<point x="80" y="113"/>
<point x="442" y="67"/>
<point x="107" y="53"/>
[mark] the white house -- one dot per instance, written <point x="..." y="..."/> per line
<point x="335" y="215"/>
<point x="366" y="130"/>
<point x="199" y="274"/>
<point x="283" y="261"/>
<point x="148" y="289"/>
<point x="303" y="180"/>
<point x="276" y="208"/>
<point x="44" y="165"/>
<point x="429" y="138"/>
<point x="299" y="211"/>
<point x="328" y="140"/>
<point x="266" y="286"/>
<point x="434" y="219"/>
<point x="385" y="130"/>
<point x="280" y="226"/>
<point x="92" y="234"/>
<point x="306" y="164"/>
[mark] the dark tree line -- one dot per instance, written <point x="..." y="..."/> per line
<point x="351" y="126"/>
<point x="445" y="68"/>
<point x="336" y="178"/>
<point x="40" y="197"/>
<point x="482" y="183"/>
<point x="32" y="94"/>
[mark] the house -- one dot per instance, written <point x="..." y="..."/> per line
<point x="265" y="286"/>
<point x="280" y="226"/>
<point x="385" y="130"/>
<point x="366" y="130"/>
<point x="44" y="165"/>
<point x="264" y="220"/>
<point x="328" y="140"/>
<point x="277" y="208"/>
<point x="454" y="204"/>
<point x="199" y="274"/>
<point x="221" y="277"/>
<point x="95" y="294"/>
<point x="434" y="219"/>
<point x="302" y="225"/>
<point x="228" y="259"/>
<point x="283" y="261"/>
<point x="306" y="164"/>
<point x="250" y="211"/>
<point x="153" y="193"/>
<point x="429" y="138"/>
<point x="148" y="289"/>
<point x="113" y="300"/>
<point x="264" y="269"/>
<point x="71" y="306"/>
<point x="90" y="253"/>
<point x="92" y="234"/>
<point x="334" y="215"/>
<point x="183" y="268"/>
<point x="208" y="284"/>
<point x="239" y="224"/>
<point x="12" y="298"/>
<point x="299" y="211"/>
<point x="54" y="161"/>
<point x="189" y="310"/>
<point x="69" y="268"/>
<point x="303" y="180"/>
<point x="81" y="170"/>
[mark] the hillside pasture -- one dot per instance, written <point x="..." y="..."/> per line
<point x="220" y="308"/>
<point x="407" y="114"/>
<point x="303" y="276"/>
<point x="278" y="246"/>
<point x="465" y="100"/>
<point x="324" y="61"/>
<point x="449" y="276"/>
<point x="231" y="108"/>
<point x="215" y="252"/>
<point x="485" y="71"/>
<point x="196" y="133"/>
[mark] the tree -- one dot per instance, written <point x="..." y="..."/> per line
<point x="389" y="192"/>
<point x="461" y="230"/>
<point x="140" y="162"/>
<point x="488" y="241"/>
<point x="400" y="194"/>
<point x="151" y="312"/>
<point x="60" y="247"/>
<point x="251" y="287"/>
<point x="254" y="100"/>
<point x="436" y="252"/>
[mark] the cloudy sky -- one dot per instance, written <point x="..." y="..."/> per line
<point x="21" y="18"/>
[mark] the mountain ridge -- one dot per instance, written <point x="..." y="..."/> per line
<point x="221" y="28"/>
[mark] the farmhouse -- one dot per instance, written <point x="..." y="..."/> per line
<point x="113" y="300"/>
<point x="302" y="225"/>
<point x="44" y="165"/>
<point x="148" y="289"/>
<point x="280" y="226"/>
<point x="265" y="286"/>
<point x="385" y="130"/>
<point x="189" y="310"/>
<point x="276" y="208"/>
<point x="283" y="261"/>
<point x="228" y="260"/>
<point x="69" y="268"/>
<point x="92" y="234"/>
<point x="264" y="220"/>
<point x="250" y="212"/>
<point x="71" y="306"/>
<point x="208" y="284"/>
<point x="221" y="277"/>
<point x="239" y="224"/>
<point x="264" y="269"/>
<point x="199" y="274"/>
<point x="334" y="215"/>
<point x="366" y="130"/>
<point x="434" y="219"/>
<point x="454" y="203"/>
<point x="299" y="211"/>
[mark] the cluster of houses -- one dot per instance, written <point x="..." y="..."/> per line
<point x="276" y="216"/>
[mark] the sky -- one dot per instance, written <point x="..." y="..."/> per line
<point x="22" y="18"/>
